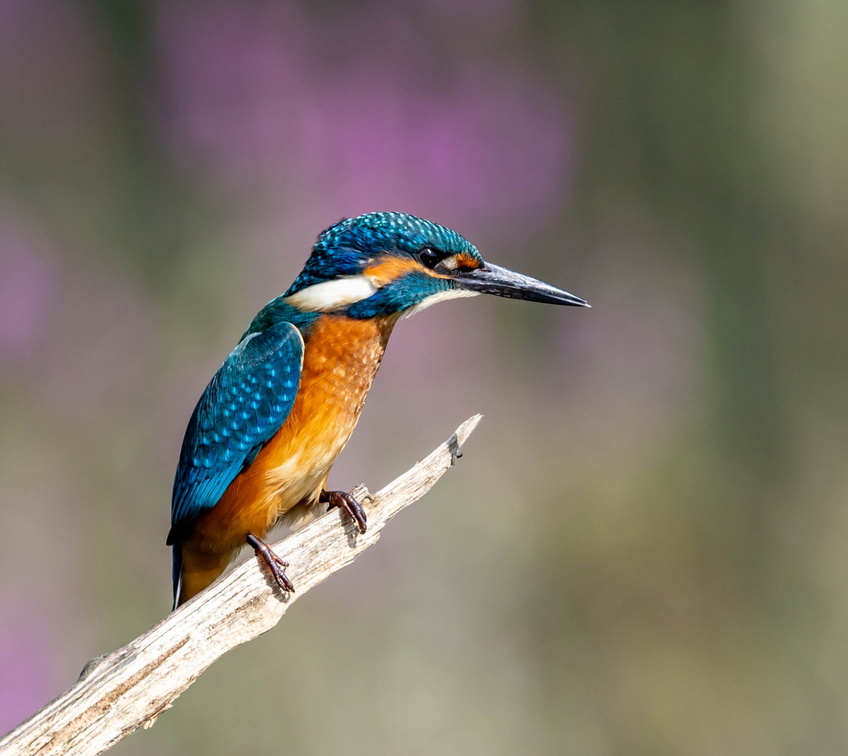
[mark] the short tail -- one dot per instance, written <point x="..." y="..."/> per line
<point x="194" y="571"/>
<point x="177" y="572"/>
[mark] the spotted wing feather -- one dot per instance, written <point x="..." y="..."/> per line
<point x="244" y="405"/>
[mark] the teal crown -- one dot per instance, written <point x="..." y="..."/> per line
<point x="345" y="248"/>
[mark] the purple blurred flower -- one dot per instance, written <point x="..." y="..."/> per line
<point x="27" y="288"/>
<point x="98" y="351"/>
<point x="27" y="658"/>
<point x="51" y="71"/>
<point x="359" y="111"/>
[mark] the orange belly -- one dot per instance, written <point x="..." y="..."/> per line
<point x="340" y="361"/>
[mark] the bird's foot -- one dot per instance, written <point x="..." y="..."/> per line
<point x="275" y="564"/>
<point x="346" y="502"/>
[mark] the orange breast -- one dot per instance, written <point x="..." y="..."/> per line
<point x="340" y="361"/>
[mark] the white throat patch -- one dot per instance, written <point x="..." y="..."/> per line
<point x="331" y="295"/>
<point x="442" y="296"/>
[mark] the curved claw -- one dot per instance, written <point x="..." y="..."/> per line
<point x="345" y="501"/>
<point x="275" y="564"/>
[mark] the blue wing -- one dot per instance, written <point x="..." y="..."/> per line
<point x="243" y="406"/>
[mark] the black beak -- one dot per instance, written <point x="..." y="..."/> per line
<point x="492" y="279"/>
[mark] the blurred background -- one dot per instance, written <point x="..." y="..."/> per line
<point x="643" y="550"/>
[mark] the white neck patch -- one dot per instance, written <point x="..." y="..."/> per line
<point x="441" y="296"/>
<point x="331" y="295"/>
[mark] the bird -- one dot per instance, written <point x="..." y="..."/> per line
<point x="270" y="424"/>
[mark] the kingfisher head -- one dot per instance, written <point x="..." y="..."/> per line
<point x="389" y="264"/>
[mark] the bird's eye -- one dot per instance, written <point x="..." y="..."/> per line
<point x="429" y="257"/>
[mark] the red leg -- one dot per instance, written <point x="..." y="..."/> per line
<point x="275" y="564"/>
<point x="346" y="502"/>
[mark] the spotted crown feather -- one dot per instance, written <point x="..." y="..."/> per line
<point x="344" y="248"/>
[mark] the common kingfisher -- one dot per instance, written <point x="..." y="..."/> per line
<point x="270" y="424"/>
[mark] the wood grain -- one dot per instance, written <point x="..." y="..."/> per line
<point x="130" y="687"/>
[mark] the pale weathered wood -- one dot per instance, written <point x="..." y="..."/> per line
<point x="130" y="687"/>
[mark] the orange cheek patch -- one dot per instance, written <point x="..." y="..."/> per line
<point x="390" y="269"/>
<point x="466" y="262"/>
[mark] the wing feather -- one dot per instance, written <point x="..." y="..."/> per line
<point x="244" y="405"/>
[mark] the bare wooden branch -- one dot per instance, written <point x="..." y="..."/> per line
<point x="130" y="687"/>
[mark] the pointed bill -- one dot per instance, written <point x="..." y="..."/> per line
<point x="492" y="279"/>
